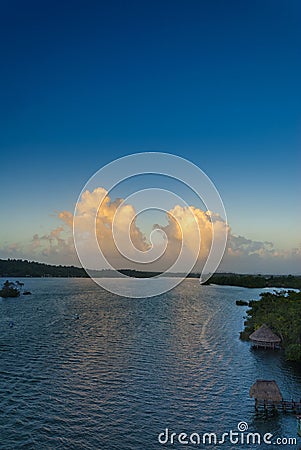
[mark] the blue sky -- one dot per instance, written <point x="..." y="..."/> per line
<point x="216" y="82"/>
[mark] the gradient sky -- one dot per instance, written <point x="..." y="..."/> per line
<point x="216" y="82"/>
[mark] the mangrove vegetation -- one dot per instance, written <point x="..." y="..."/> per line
<point x="281" y="312"/>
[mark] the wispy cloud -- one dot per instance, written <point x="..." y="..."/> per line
<point x="55" y="248"/>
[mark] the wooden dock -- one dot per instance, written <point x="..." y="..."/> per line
<point x="267" y="395"/>
<point x="284" y="405"/>
<point x="291" y="406"/>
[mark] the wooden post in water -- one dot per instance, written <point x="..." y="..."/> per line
<point x="299" y="425"/>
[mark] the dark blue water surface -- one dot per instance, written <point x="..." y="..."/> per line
<point x="84" y="369"/>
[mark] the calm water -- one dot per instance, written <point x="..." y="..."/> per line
<point x="126" y="369"/>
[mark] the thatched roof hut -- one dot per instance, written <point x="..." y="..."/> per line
<point x="266" y="391"/>
<point x="264" y="337"/>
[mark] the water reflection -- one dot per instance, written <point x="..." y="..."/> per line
<point x="127" y="368"/>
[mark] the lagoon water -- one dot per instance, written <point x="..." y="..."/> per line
<point x="84" y="369"/>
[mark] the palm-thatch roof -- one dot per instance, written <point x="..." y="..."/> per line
<point x="266" y="390"/>
<point x="264" y="334"/>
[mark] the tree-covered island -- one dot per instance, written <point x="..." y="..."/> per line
<point x="281" y="311"/>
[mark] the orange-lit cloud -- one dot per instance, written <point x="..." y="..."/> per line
<point x="180" y="233"/>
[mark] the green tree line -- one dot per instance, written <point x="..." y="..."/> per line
<point x="23" y="268"/>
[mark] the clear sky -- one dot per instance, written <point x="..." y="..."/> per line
<point x="216" y="82"/>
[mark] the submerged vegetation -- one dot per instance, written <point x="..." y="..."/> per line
<point x="281" y="311"/>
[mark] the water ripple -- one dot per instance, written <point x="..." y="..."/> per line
<point x="83" y="369"/>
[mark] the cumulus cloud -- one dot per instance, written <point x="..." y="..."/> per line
<point x="96" y="212"/>
<point x="186" y="238"/>
<point x="193" y="229"/>
<point x="128" y="247"/>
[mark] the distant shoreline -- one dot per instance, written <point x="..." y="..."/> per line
<point x="17" y="268"/>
